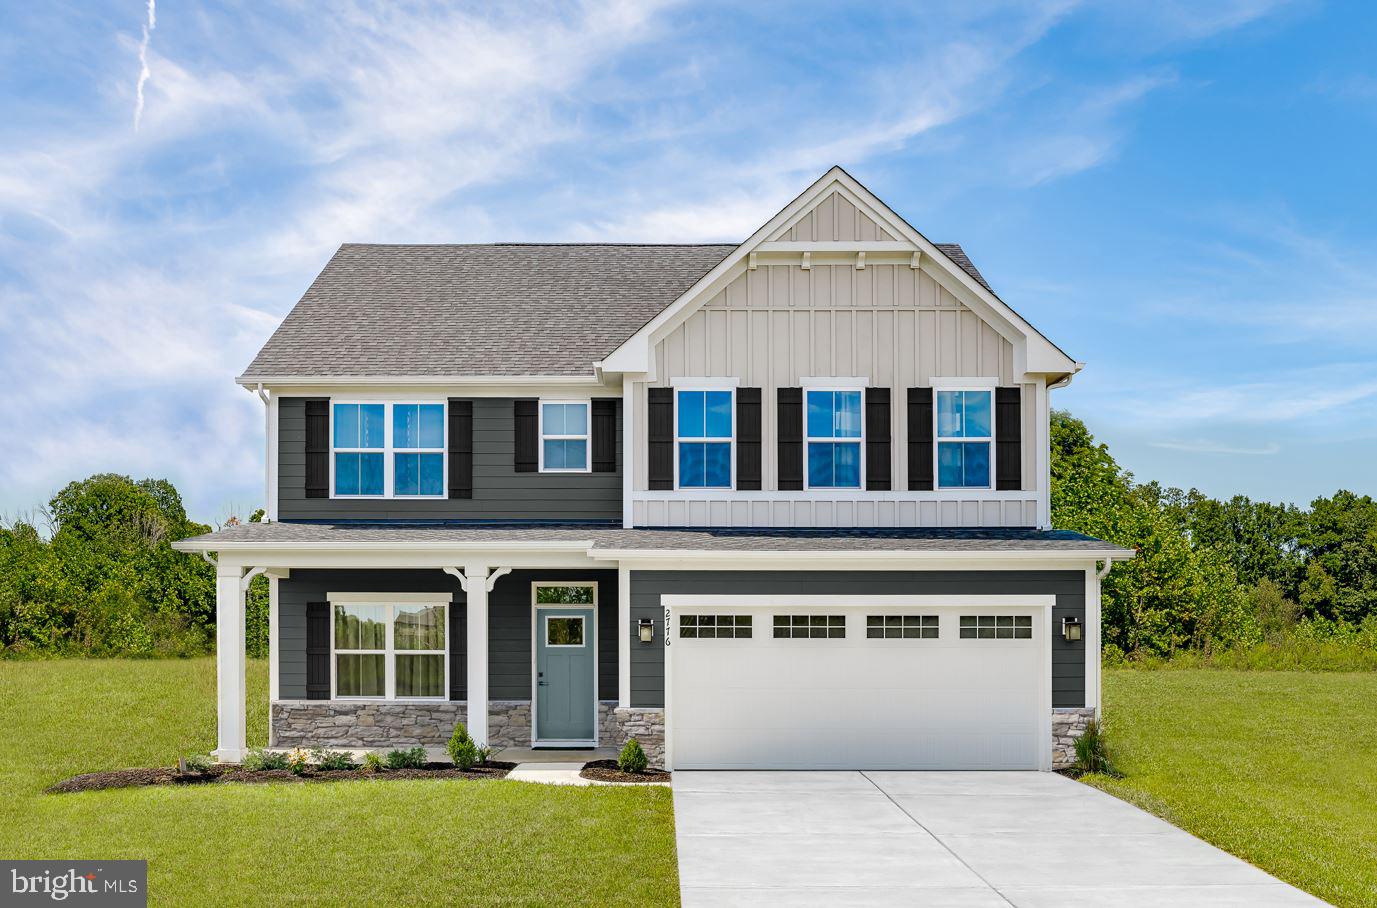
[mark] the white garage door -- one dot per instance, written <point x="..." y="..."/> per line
<point x="789" y="686"/>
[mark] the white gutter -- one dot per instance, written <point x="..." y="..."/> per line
<point x="803" y="557"/>
<point x="437" y="380"/>
<point x="191" y="545"/>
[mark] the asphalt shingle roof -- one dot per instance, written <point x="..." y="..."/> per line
<point x="493" y="309"/>
<point x="668" y="540"/>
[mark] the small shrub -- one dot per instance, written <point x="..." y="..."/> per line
<point x="196" y="763"/>
<point x="632" y="757"/>
<point x="260" y="760"/>
<point x="414" y="758"/>
<point x="328" y="760"/>
<point x="1111" y="656"/>
<point x="464" y="751"/>
<point x="372" y="762"/>
<point x="1092" y="750"/>
<point x="298" y="760"/>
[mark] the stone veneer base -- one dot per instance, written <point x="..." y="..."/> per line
<point x="334" y="723"/>
<point x="1067" y="726"/>
<point x="356" y="725"/>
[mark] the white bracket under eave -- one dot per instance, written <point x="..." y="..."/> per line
<point x="807" y="263"/>
<point x="248" y="577"/>
<point x="750" y="262"/>
<point x="488" y="582"/>
<point x="860" y="261"/>
<point x="916" y="263"/>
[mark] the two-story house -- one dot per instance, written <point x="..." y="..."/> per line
<point x="781" y="504"/>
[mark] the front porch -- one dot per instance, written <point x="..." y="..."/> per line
<point x="490" y="653"/>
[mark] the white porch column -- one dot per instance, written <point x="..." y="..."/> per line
<point x="229" y="664"/>
<point x="624" y="638"/>
<point x="476" y="606"/>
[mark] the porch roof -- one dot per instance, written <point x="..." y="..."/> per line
<point x="609" y="541"/>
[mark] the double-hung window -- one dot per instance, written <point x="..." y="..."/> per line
<point x="835" y="430"/>
<point x="390" y="651"/>
<point x="563" y="436"/>
<point x="382" y="450"/>
<point x="965" y="433"/>
<point x="418" y="442"/>
<point x="704" y="438"/>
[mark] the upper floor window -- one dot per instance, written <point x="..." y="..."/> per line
<point x="965" y="432"/>
<point x="704" y="438"/>
<point x="377" y="456"/>
<point x="563" y="436"/>
<point x="835" y="430"/>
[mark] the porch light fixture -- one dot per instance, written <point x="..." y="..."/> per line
<point x="1071" y="629"/>
<point x="646" y="627"/>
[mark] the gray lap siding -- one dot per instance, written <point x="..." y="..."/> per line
<point x="1068" y="659"/>
<point x="499" y="492"/>
<point x="509" y="624"/>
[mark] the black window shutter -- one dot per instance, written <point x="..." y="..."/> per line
<point x="748" y="439"/>
<point x="789" y="403"/>
<point x="1008" y="439"/>
<point x="660" y="437"/>
<point x="460" y="448"/>
<point x="605" y="435"/>
<point x="877" y="439"/>
<point x="317" y="449"/>
<point x="317" y="651"/>
<point x="527" y="436"/>
<point x="920" y="448"/>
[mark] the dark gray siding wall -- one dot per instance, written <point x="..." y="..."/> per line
<point x="648" y="662"/>
<point x="499" y="492"/>
<point x="509" y="624"/>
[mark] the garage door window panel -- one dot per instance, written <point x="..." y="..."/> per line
<point x="809" y="627"/>
<point x="901" y="627"/>
<point x="996" y="627"/>
<point x="714" y="626"/>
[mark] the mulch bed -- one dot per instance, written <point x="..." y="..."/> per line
<point x="607" y="771"/>
<point x="230" y="773"/>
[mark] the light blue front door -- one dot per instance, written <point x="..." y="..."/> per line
<point x="565" y="671"/>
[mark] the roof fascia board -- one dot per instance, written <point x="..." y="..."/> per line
<point x="248" y="381"/>
<point x="646" y="560"/>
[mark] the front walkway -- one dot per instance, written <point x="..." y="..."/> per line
<point x="942" y="839"/>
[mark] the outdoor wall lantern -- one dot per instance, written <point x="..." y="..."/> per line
<point x="1071" y="629"/>
<point x="647" y="629"/>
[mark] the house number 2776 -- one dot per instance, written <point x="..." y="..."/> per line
<point x="666" y="627"/>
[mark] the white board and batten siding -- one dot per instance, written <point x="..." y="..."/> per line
<point x="894" y="325"/>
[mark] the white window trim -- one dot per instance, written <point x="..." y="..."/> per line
<point x="950" y="383"/>
<point x="716" y="439"/>
<point x="388" y="601"/>
<point x="938" y="438"/>
<point x="586" y="437"/>
<point x="809" y="439"/>
<point x="388" y="450"/>
<point x="835" y="383"/>
<point x="704" y="383"/>
<point x="578" y="618"/>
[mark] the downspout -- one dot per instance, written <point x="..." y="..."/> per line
<point x="269" y="506"/>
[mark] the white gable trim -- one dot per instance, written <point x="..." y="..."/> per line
<point x="1034" y="352"/>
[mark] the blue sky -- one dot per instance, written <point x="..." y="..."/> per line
<point x="1179" y="193"/>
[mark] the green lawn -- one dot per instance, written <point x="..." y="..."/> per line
<point x="1279" y="768"/>
<point x="357" y="843"/>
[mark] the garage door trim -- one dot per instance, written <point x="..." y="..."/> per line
<point x="672" y="605"/>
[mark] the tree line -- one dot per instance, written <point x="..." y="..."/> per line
<point x="94" y="572"/>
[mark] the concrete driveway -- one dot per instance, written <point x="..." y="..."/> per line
<point x="942" y="838"/>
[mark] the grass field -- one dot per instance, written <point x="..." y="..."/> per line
<point x="1279" y="768"/>
<point x="427" y="842"/>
